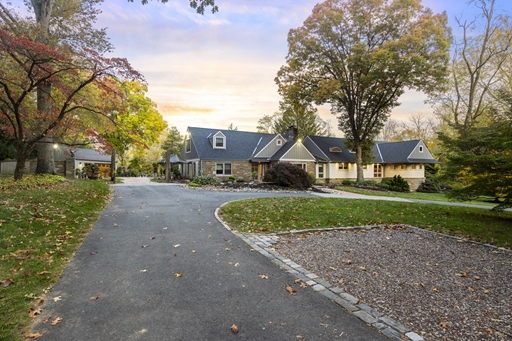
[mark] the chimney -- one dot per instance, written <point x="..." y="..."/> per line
<point x="291" y="134"/>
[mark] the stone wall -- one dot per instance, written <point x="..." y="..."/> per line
<point x="238" y="168"/>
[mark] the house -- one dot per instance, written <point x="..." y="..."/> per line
<point x="225" y="153"/>
<point x="67" y="160"/>
<point x="336" y="163"/>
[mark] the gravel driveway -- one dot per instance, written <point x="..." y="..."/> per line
<point x="440" y="287"/>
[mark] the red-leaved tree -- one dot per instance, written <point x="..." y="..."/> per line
<point x="26" y="64"/>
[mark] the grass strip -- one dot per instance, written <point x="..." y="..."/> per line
<point x="486" y="201"/>
<point x="271" y="215"/>
<point x="40" y="230"/>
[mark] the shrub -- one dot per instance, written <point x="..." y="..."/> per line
<point x="231" y="178"/>
<point x="193" y="184"/>
<point x="428" y="186"/>
<point x="346" y="182"/>
<point x="286" y="174"/>
<point x="312" y="176"/>
<point x="206" y="180"/>
<point x="240" y="179"/>
<point x="367" y="183"/>
<point x="396" y="184"/>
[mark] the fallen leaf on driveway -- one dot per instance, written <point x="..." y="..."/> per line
<point x="299" y="337"/>
<point x="179" y="274"/>
<point x="263" y="276"/>
<point x="35" y="311"/>
<point x="486" y="291"/>
<point x="56" y="321"/>
<point x="144" y="270"/>
<point x="347" y="261"/>
<point x="332" y="268"/>
<point x="234" y="329"/>
<point x="443" y="324"/>
<point x="152" y="238"/>
<point x="291" y="290"/>
<point x="177" y="245"/>
<point x="94" y="298"/>
<point x="144" y="246"/>
<point x="226" y="249"/>
<point x="341" y="280"/>
<point x="236" y="265"/>
<point x="35" y="335"/>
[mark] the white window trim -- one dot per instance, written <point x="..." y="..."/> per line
<point x="421" y="149"/>
<point x="219" y="135"/>
<point x="224" y="168"/>
<point x="279" y="142"/>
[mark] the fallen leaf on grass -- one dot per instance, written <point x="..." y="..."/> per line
<point x="6" y="282"/>
<point x="263" y="276"/>
<point x="291" y="290"/>
<point x="234" y="329"/>
<point x="35" y="335"/>
<point x="56" y="321"/>
<point x="94" y="298"/>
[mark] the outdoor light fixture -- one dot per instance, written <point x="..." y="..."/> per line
<point x="55" y="146"/>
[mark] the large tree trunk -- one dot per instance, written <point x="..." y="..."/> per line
<point x="21" y="157"/>
<point x="45" y="161"/>
<point x="359" y="163"/>
<point x="113" y="166"/>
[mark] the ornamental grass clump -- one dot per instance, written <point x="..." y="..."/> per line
<point x="288" y="175"/>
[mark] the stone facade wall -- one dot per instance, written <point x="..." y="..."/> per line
<point x="238" y="169"/>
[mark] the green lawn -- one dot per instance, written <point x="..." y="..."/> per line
<point x="486" y="201"/>
<point x="41" y="227"/>
<point x="281" y="214"/>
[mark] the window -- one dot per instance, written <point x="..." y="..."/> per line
<point x="301" y="165"/>
<point x="223" y="169"/>
<point x="413" y="166"/>
<point x="421" y="149"/>
<point x="220" y="142"/>
<point x="377" y="171"/>
<point x="279" y="142"/>
<point x="343" y="165"/>
<point x="421" y="166"/>
<point x="335" y="150"/>
<point x="187" y="145"/>
<point x="403" y="167"/>
<point x="320" y="171"/>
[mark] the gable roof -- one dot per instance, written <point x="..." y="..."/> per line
<point x="83" y="154"/>
<point x="240" y="145"/>
<point x="400" y="152"/>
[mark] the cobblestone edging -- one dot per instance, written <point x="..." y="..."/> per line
<point x="264" y="245"/>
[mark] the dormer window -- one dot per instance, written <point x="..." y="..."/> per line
<point x="219" y="141"/>
<point x="335" y="150"/>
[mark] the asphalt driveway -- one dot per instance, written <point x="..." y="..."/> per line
<point x="159" y="266"/>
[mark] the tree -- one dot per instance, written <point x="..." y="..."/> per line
<point x="232" y="127"/>
<point x="481" y="160"/>
<point x="68" y="24"/>
<point x="139" y="125"/>
<point x="359" y="56"/>
<point x="303" y="116"/>
<point x="477" y="69"/>
<point x="26" y="64"/>
<point x="172" y="142"/>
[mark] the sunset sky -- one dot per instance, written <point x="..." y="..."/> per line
<point x="217" y="69"/>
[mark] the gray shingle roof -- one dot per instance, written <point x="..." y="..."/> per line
<point x="84" y="154"/>
<point x="240" y="145"/>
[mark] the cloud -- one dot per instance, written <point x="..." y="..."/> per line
<point x="173" y="109"/>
